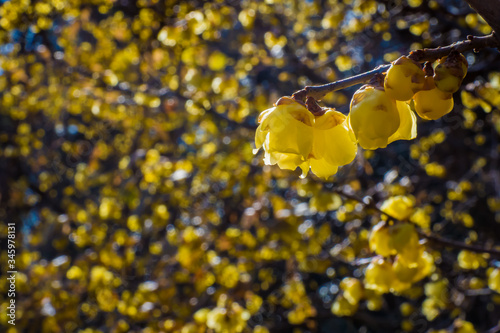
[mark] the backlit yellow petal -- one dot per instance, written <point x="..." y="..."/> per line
<point x="337" y="145"/>
<point x="408" y="123"/>
<point x="286" y="134"/>
<point x="322" y="168"/>
<point x="333" y="145"/>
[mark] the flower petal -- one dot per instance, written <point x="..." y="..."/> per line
<point x="323" y="169"/>
<point x="408" y="123"/>
<point x="336" y="145"/>
<point x="373" y="118"/>
<point x="286" y="134"/>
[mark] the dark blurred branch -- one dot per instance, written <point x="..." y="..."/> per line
<point x="490" y="11"/>
<point x="427" y="235"/>
<point x="495" y="329"/>
<point x="472" y="43"/>
<point x="458" y="245"/>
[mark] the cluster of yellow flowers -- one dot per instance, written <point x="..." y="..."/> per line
<point x="347" y="302"/>
<point x="431" y="94"/>
<point x="437" y="298"/>
<point x="410" y="264"/>
<point x="293" y="137"/>
<point x="380" y="113"/>
<point x="404" y="260"/>
<point x="295" y="297"/>
<point x="228" y="316"/>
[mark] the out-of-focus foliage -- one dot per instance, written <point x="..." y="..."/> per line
<point x="126" y="163"/>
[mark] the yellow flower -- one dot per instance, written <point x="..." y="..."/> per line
<point x="404" y="239"/>
<point x="462" y="326"/>
<point x="432" y="104"/>
<point x="343" y="308"/>
<point x="379" y="276"/>
<point x="423" y="267"/>
<point x="399" y="207"/>
<point x="470" y="260"/>
<point x="450" y="72"/>
<point x="494" y="279"/>
<point x="292" y="136"/>
<point x="380" y="239"/>
<point x="334" y="145"/>
<point x="374" y="117"/>
<point x="286" y="133"/>
<point x="352" y="290"/>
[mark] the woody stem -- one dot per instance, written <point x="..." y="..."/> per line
<point x="472" y="43"/>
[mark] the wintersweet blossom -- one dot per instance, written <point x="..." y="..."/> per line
<point x="293" y="137"/>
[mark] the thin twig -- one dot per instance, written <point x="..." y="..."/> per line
<point x="318" y="92"/>
<point x="427" y="235"/>
<point x="489" y="11"/>
<point x="477" y="292"/>
<point x="494" y="329"/>
<point x="458" y="245"/>
<point x="472" y="43"/>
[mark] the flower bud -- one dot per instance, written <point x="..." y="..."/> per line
<point x="450" y="72"/>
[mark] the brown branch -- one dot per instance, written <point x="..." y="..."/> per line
<point x="490" y="11"/>
<point x="472" y="43"/>
<point x="430" y="237"/>
<point x="458" y="245"/>
<point x="318" y="92"/>
<point x="494" y="329"/>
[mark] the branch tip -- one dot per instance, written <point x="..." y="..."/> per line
<point x="313" y="107"/>
<point x="300" y="96"/>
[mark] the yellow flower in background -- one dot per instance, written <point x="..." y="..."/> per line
<point x="352" y="290"/>
<point x="334" y="145"/>
<point x="494" y="279"/>
<point x="379" y="240"/>
<point x="379" y="276"/>
<point x="374" y="117"/>
<point x="404" y="239"/>
<point x="293" y="137"/>
<point x="342" y="307"/>
<point x="424" y="266"/>
<point x="399" y="207"/>
<point x="286" y="133"/>
<point x="462" y="326"/>
<point x="470" y="260"/>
